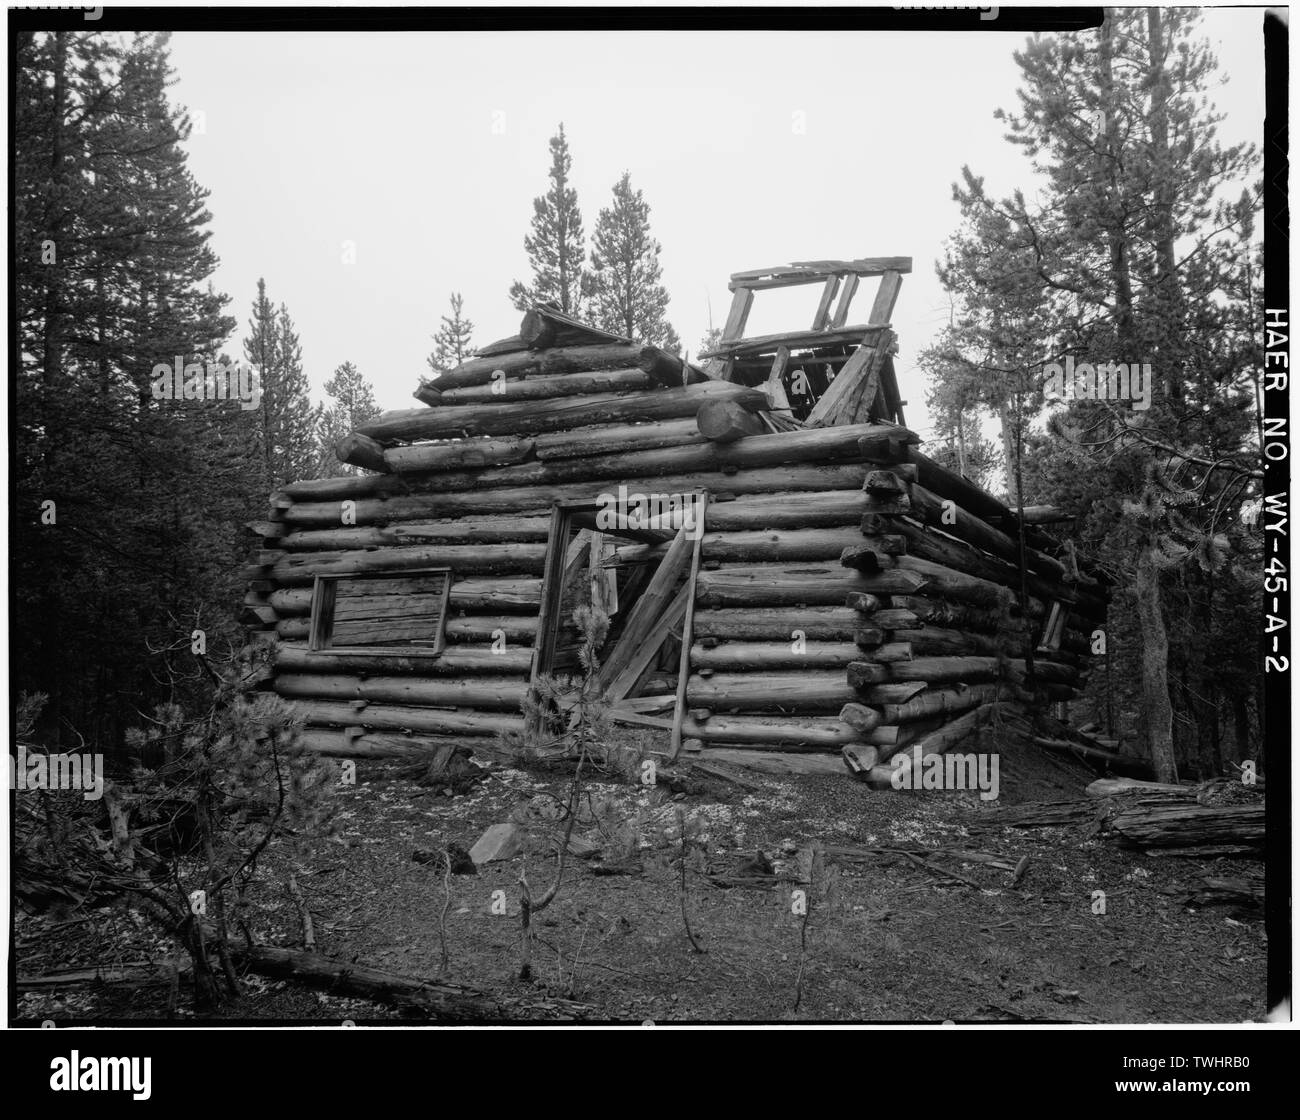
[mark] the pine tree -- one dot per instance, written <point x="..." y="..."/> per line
<point x="353" y="404"/>
<point x="627" y="295"/>
<point x="454" y="342"/>
<point x="1117" y="123"/>
<point x="556" y="246"/>
<point x="144" y="496"/>
<point x="288" y="434"/>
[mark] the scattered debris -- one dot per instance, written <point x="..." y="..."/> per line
<point x="461" y="861"/>
<point x="499" y="842"/>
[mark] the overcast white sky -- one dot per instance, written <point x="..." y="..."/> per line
<point x="388" y="141"/>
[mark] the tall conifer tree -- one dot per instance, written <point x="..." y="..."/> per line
<point x="288" y="432"/>
<point x="556" y="246"/>
<point x="627" y="294"/>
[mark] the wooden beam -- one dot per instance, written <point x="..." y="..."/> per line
<point x="859" y="375"/>
<point x="727" y="421"/>
<point x="361" y="451"/>
<point x="546" y="326"/>
<point x="643" y="656"/>
<point x="688" y="634"/>
<point x="841" y="315"/>
<point x="774" y="386"/>
<point x="738" y="316"/>
<point x="795" y="340"/>
<point x="829" y="292"/>
<point x="552" y="591"/>
<point x="886" y="296"/>
<point x="809" y="272"/>
<point x="649" y="607"/>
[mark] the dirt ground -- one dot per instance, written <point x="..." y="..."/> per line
<point x="883" y="939"/>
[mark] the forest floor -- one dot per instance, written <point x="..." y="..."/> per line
<point x="883" y="940"/>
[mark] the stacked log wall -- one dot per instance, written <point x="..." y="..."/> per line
<point x="830" y="611"/>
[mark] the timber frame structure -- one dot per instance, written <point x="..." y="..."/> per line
<point x="782" y="567"/>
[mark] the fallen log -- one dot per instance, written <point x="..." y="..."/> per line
<point x="1214" y="890"/>
<point x="1052" y="814"/>
<point x="435" y="998"/>
<point x="1182" y="826"/>
<point x="1114" y="787"/>
<point x="136" y="974"/>
<point x="1118" y="763"/>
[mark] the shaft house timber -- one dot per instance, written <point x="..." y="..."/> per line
<point x="845" y="593"/>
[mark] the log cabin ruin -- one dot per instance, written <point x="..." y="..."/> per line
<point x="783" y="568"/>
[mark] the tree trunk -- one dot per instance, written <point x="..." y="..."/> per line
<point x="436" y="999"/>
<point x="1155" y="668"/>
<point x="53" y="341"/>
<point x="1169" y="315"/>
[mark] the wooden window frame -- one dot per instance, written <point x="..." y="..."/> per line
<point x="322" y="616"/>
